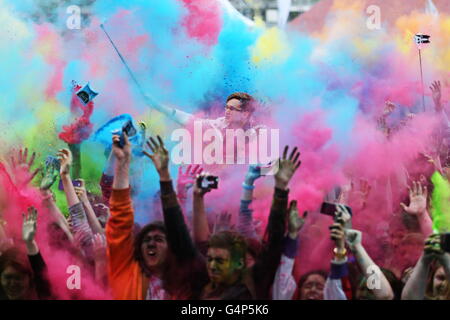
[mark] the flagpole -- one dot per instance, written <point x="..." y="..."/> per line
<point x="175" y="114"/>
<point x="421" y="77"/>
<point x="123" y="61"/>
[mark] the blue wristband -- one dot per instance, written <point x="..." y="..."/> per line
<point x="247" y="187"/>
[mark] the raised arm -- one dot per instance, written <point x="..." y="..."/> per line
<point x="34" y="256"/>
<point x="200" y="225"/>
<point x="266" y="265"/>
<point x="245" y="218"/>
<point x="99" y="244"/>
<point x="107" y="178"/>
<point x="185" y="181"/>
<point x="367" y="266"/>
<point x="29" y="231"/>
<point x="91" y="217"/>
<point x="284" y="285"/>
<point x="287" y="166"/>
<point x="78" y="222"/>
<point x="436" y="95"/>
<point x="178" y="238"/>
<point x="56" y="214"/>
<point x="119" y="228"/>
<point x="333" y="289"/>
<point x="174" y="114"/>
<point x="65" y="160"/>
<point x="50" y="175"/>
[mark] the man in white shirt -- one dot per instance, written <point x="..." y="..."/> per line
<point x="239" y="109"/>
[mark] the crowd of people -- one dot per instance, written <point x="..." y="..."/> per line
<point x="185" y="257"/>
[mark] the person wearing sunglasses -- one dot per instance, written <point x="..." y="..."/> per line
<point x="239" y="108"/>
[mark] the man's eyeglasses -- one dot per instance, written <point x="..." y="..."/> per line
<point x="231" y="108"/>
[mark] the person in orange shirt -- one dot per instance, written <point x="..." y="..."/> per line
<point x="134" y="265"/>
<point x="146" y="266"/>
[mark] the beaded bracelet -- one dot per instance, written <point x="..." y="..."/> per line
<point x="247" y="187"/>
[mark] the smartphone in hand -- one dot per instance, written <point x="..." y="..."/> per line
<point x="75" y="183"/>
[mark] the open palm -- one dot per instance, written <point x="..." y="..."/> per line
<point x="417" y="199"/>
<point x="29" y="225"/>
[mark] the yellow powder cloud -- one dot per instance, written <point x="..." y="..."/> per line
<point x="270" y="46"/>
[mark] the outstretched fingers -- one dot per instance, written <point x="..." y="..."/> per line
<point x="151" y="143"/>
<point x="20" y="156"/>
<point x="291" y="156"/>
<point x="32" y="158"/>
<point x="161" y="142"/>
<point x="25" y="156"/>
<point x="197" y="170"/>
<point x="285" y="152"/>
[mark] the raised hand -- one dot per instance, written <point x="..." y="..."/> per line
<point x="362" y="193"/>
<point x="50" y="173"/>
<point x="187" y="178"/>
<point x="342" y="222"/>
<point x="343" y="216"/>
<point x="417" y="199"/>
<point x="287" y="167"/>
<point x="432" y="249"/>
<point x="253" y="174"/>
<point x="121" y="153"/>
<point x="198" y="191"/>
<point x="337" y="234"/>
<point x="429" y="158"/>
<point x="223" y="222"/>
<point x="388" y="108"/>
<point x="353" y="238"/>
<point x="436" y="93"/>
<point x="29" y="225"/>
<point x="160" y="156"/>
<point x="295" y="222"/>
<point x="22" y="167"/>
<point x="81" y="191"/>
<point x="65" y="161"/>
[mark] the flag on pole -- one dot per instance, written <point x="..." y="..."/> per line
<point x="421" y="38"/>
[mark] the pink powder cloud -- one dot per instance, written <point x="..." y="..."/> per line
<point x="203" y="20"/>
